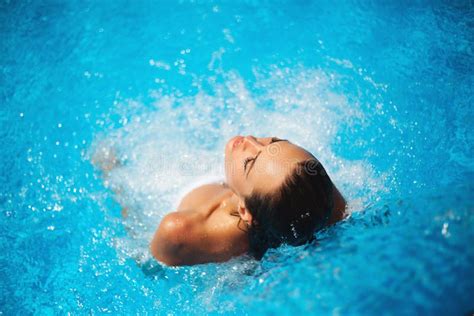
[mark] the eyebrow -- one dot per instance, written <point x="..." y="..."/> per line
<point x="258" y="154"/>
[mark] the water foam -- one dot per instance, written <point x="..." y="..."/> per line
<point x="176" y="142"/>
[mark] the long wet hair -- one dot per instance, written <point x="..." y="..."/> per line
<point x="293" y="213"/>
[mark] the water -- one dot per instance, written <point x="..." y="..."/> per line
<point x="380" y="93"/>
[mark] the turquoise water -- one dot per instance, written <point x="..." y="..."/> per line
<point x="380" y="93"/>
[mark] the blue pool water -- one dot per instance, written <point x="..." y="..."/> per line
<point x="381" y="93"/>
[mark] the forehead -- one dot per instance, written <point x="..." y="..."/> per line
<point x="274" y="164"/>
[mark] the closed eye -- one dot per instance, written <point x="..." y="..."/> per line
<point x="253" y="159"/>
<point x="247" y="160"/>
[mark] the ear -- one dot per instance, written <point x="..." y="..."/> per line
<point x="244" y="212"/>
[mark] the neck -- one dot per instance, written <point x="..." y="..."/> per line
<point x="230" y="203"/>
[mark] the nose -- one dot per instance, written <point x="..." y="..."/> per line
<point x="252" y="143"/>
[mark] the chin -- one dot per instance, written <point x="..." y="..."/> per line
<point x="227" y="150"/>
<point x="227" y="159"/>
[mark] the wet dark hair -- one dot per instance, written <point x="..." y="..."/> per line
<point x="291" y="215"/>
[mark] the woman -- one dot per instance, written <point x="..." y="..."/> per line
<point x="276" y="192"/>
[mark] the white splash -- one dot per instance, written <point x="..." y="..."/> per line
<point x="170" y="146"/>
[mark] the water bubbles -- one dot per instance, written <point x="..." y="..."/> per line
<point x="228" y="36"/>
<point x="307" y="214"/>
<point x="392" y="122"/>
<point x="181" y="65"/>
<point x="159" y="64"/>
<point x="89" y="74"/>
<point x="293" y="230"/>
<point x="444" y="230"/>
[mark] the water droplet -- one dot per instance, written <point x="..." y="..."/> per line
<point x="444" y="230"/>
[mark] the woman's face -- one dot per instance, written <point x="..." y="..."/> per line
<point x="260" y="164"/>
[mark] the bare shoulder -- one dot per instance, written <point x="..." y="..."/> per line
<point x="186" y="238"/>
<point x="170" y="237"/>
<point x="202" y="195"/>
<point x="200" y="230"/>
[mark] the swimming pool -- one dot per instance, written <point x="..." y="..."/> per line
<point x="381" y="93"/>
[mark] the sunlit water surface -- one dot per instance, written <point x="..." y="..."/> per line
<point x="381" y="94"/>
